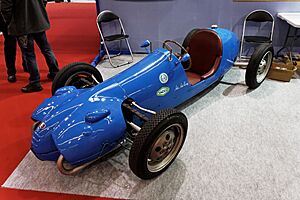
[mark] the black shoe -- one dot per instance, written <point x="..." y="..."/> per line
<point x="51" y="75"/>
<point x="12" y="78"/>
<point x="32" y="88"/>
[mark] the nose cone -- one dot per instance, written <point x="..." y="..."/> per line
<point x="81" y="125"/>
<point x="80" y="132"/>
<point x="62" y="97"/>
<point x="42" y="143"/>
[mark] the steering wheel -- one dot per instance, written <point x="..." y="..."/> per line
<point x="167" y="46"/>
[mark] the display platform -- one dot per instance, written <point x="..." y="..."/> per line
<point x="240" y="145"/>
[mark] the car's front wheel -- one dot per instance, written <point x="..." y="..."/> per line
<point x="80" y="75"/>
<point x="158" y="143"/>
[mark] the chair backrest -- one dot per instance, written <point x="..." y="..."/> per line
<point x="106" y="16"/>
<point x="259" y="16"/>
<point x="205" y="48"/>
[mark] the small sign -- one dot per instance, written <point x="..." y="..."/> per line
<point x="163" y="91"/>
<point x="163" y="78"/>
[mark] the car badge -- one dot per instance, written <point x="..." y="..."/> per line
<point x="42" y="126"/>
<point x="163" y="78"/>
<point x="163" y="91"/>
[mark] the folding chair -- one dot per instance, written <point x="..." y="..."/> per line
<point x="107" y="16"/>
<point x="260" y="17"/>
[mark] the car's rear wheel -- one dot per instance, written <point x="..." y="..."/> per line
<point x="80" y="75"/>
<point x="158" y="143"/>
<point x="259" y="65"/>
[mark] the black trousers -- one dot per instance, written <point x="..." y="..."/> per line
<point x="10" y="48"/>
<point x="44" y="46"/>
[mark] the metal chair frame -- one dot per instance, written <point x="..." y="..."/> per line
<point x="241" y="57"/>
<point x="103" y="42"/>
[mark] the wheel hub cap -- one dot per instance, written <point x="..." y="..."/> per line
<point x="165" y="148"/>
<point x="264" y="67"/>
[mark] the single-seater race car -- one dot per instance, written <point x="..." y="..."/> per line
<point x="88" y="118"/>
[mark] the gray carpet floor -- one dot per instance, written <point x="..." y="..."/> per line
<point x="241" y="144"/>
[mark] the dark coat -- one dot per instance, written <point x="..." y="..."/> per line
<point x="24" y="16"/>
<point x="2" y="23"/>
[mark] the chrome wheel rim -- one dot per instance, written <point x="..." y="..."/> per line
<point x="264" y="67"/>
<point x="165" y="148"/>
<point x="81" y="80"/>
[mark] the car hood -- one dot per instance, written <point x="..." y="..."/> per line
<point x="80" y="124"/>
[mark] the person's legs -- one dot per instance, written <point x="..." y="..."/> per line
<point x="10" y="55"/>
<point x="34" y="79"/>
<point x="24" y="62"/>
<point x="43" y="44"/>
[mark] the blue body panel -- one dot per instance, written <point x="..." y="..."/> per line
<point x="67" y="130"/>
<point x="87" y="123"/>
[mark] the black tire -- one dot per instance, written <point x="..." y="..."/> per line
<point x="253" y="79"/>
<point x="185" y="44"/>
<point x="150" y="133"/>
<point x="85" y="70"/>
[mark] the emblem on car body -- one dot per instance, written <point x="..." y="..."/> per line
<point x="163" y="78"/>
<point x="163" y="91"/>
<point x="42" y="126"/>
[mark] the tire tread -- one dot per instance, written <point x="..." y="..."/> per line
<point x="71" y="68"/>
<point x="140" y="141"/>
<point x="251" y="72"/>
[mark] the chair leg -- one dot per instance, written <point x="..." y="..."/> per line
<point x="126" y="63"/>
<point x="130" y="51"/>
<point x="108" y="54"/>
<point x="111" y="62"/>
<point x="116" y="55"/>
<point x="110" y="57"/>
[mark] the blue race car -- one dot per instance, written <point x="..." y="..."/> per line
<point x="87" y="118"/>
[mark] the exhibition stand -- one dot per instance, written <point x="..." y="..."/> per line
<point x="187" y="119"/>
